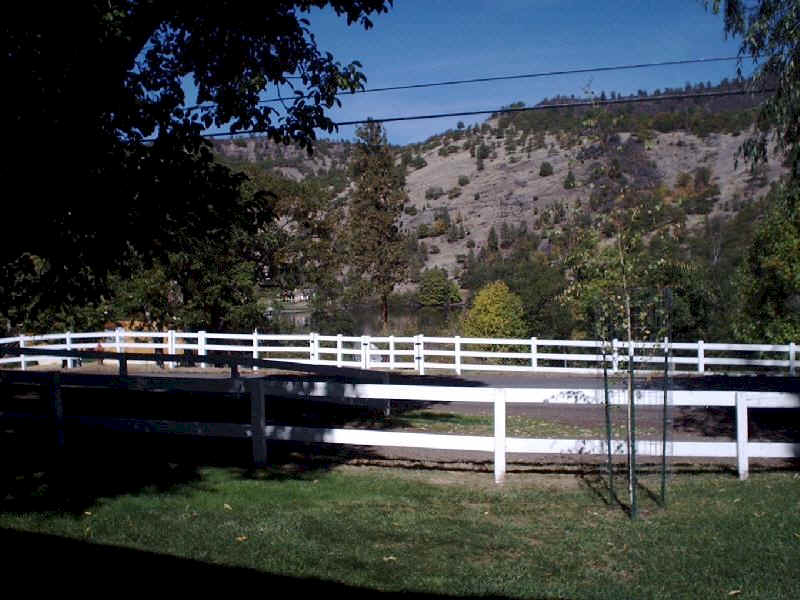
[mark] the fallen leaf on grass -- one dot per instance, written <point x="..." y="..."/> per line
<point x="241" y="538"/>
<point x="388" y="558"/>
<point x="227" y="506"/>
<point x="734" y="592"/>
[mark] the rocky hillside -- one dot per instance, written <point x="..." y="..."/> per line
<point x="542" y="170"/>
<point x="511" y="189"/>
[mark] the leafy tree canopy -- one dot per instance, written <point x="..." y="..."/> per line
<point x="497" y="312"/>
<point x="770" y="36"/>
<point x="93" y="81"/>
<point x="435" y="289"/>
<point x="769" y="305"/>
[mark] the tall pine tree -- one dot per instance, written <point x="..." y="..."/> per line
<point x="378" y="256"/>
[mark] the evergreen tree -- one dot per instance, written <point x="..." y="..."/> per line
<point x="491" y="241"/>
<point x="378" y="257"/>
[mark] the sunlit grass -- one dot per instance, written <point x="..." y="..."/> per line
<point x="458" y="534"/>
<point x="516" y="425"/>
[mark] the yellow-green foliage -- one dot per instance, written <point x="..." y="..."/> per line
<point x="497" y="312"/>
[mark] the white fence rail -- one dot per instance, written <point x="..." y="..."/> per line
<point x="262" y="391"/>
<point x="741" y="449"/>
<point x="422" y="353"/>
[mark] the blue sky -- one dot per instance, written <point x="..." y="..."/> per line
<point x="435" y="40"/>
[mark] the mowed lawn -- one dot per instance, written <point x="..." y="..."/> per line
<point x="358" y="530"/>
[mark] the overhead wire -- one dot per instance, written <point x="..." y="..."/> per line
<point x="493" y="78"/>
<point x="577" y="104"/>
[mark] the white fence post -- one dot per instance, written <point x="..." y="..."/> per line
<point x="201" y="346"/>
<point x="391" y="352"/>
<point x="421" y="338"/>
<point x="255" y="347"/>
<point x="315" y="348"/>
<point x="365" y="352"/>
<point x="701" y="366"/>
<point x="68" y="341"/>
<point x="742" y="458"/>
<point x="171" y="347"/>
<point x="499" y="435"/>
<point x="118" y="339"/>
<point x="338" y="349"/>
<point x="792" y="349"/>
<point x="23" y="363"/>
<point x="534" y="354"/>
<point x="614" y="355"/>
<point x="457" y="352"/>
<point x="631" y="362"/>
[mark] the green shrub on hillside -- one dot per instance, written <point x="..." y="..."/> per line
<point x="433" y="192"/>
<point x="435" y="289"/>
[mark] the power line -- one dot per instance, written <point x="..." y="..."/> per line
<point x="414" y="86"/>
<point x="583" y="103"/>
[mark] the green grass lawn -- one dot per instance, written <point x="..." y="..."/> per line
<point x="441" y="532"/>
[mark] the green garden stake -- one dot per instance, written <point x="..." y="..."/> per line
<point x="608" y="428"/>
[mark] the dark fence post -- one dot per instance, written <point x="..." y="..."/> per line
<point x="56" y="408"/>
<point x="258" y="421"/>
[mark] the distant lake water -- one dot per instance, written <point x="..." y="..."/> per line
<point x="428" y="320"/>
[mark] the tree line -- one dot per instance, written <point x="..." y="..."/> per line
<point x="146" y="223"/>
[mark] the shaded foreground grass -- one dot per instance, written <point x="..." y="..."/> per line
<point x="363" y="530"/>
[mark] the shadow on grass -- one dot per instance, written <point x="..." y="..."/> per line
<point x="764" y="424"/>
<point x="99" y="463"/>
<point x="73" y="564"/>
<point x="95" y="463"/>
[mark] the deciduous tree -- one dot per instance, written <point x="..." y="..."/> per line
<point x="93" y="81"/>
<point x="497" y="312"/>
<point x="769" y="302"/>
<point x="435" y="289"/>
<point x="770" y="36"/>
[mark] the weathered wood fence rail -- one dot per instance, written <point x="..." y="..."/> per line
<point x="422" y="353"/>
<point x="262" y="390"/>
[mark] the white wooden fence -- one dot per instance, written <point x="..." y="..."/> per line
<point x="422" y="353"/>
<point x="499" y="444"/>
<point x="262" y="390"/>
